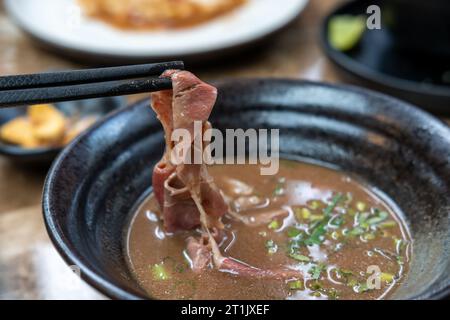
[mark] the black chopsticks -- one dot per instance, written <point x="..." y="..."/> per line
<point x="83" y="84"/>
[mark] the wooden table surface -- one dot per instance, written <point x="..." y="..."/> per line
<point x="30" y="267"/>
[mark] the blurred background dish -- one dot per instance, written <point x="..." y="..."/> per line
<point x="385" y="60"/>
<point x="62" y="25"/>
<point x="35" y="135"/>
<point x="157" y="14"/>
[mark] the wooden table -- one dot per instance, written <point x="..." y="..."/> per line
<point x="30" y="268"/>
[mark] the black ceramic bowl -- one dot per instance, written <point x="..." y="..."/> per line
<point x="385" y="62"/>
<point x="95" y="182"/>
<point x="44" y="156"/>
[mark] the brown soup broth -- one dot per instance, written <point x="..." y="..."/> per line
<point x="335" y="230"/>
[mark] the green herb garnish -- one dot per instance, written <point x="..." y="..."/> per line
<point x="361" y="206"/>
<point x="361" y="218"/>
<point x="316" y="285"/>
<point x="345" y="272"/>
<point x="314" y="205"/>
<point x="279" y="188"/>
<point x="159" y="272"/>
<point x="328" y="210"/>
<point x="274" y="225"/>
<point x="337" y="221"/>
<point x="271" y="247"/>
<point x="296" y="285"/>
<point x="356" y="231"/>
<point x="293" y="232"/>
<point x="387" y="224"/>
<point x="362" y="287"/>
<point x="369" y="236"/>
<point x="380" y="217"/>
<point x="319" y="230"/>
<point x="333" y="294"/>
<point x="316" y="271"/>
<point x="387" y="277"/>
<point x="304" y="213"/>
<point x="299" y="257"/>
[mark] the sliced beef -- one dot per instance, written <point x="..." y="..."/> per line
<point x="186" y="192"/>
<point x="199" y="253"/>
<point x="190" y="100"/>
<point x="161" y="172"/>
<point x="179" y="210"/>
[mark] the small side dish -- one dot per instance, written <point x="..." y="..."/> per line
<point x="43" y="126"/>
<point x="157" y="14"/>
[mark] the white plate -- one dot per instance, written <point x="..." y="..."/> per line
<point x="60" y="23"/>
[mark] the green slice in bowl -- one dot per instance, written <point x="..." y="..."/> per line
<point x="345" y="31"/>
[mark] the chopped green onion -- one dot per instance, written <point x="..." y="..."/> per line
<point x="352" y="282"/>
<point x="316" y="271"/>
<point x="362" y="219"/>
<point x="314" y="205"/>
<point x="159" y="272"/>
<point x="316" y="285"/>
<point x="348" y="198"/>
<point x="337" y="222"/>
<point x="382" y="215"/>
<point x="362" y="287"/>
<point x="316" y="217"/>
<point x="333" y="294"/>
<point x="274" y="225"/>
<point x="387" y="277"/>
<point x="345" y="272"/>
<point x="271" y="247"/>
<point x="279" y="191"/>
<point x="335" y="235"/>
<point x="327" y="211"/>
<point x="293" y="232"/>
<point x="356" y="231"/>
<point x="388" y="224"/>
<point x="296" y="285"/>
<point x="305" y="213"/>
<point x="293" y="246"/>
<point x="319" y="230"/>
<point x="368" y="236"/>
<point x="361" y="206"/>
<point x="279" y="188"/>
<point x="317" y="236"/>
<point x="299" y="257"/>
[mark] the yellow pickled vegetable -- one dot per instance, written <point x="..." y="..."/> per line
<point x="19" y="131"/>
<point x="345" y="31"/>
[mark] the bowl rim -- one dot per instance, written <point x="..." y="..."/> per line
<point x="113" y="290"/>
<point x="84" y="52"/>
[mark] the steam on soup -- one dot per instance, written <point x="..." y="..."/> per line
<point x="226" y="232"/>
